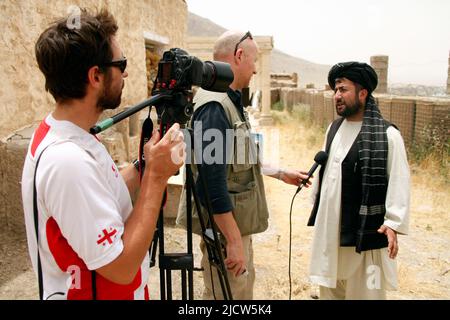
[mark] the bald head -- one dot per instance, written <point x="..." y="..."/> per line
<point x="225" y="45"/>
<point x="242" y="60"/>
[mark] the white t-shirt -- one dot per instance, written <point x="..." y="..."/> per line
<point x="83" y="203"/>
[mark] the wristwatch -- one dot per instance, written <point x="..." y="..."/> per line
<point x="136" y="164"/>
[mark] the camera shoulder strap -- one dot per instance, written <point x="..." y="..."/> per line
<point x="146" y="134"/>
<point x="36" y="229"/>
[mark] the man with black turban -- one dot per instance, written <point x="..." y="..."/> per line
<point x="361" y="200"/>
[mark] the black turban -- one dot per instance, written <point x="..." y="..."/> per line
<point x="357" y="72"/>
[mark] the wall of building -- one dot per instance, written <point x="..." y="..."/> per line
<point x="24" y="102"/>
<point x="22" y="95"/>
<point x="448" y="75"/>
<point x="381" y="65"/>
<point x="418" y="118"/>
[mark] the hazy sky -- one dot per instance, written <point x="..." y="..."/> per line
<point x="415" y="34"/>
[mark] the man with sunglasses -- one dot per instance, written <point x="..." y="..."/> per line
<point x="86" y="241"/>
<point x="236" y="189"/>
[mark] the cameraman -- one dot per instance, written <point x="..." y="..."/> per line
<point x="92" y="243"/>
<point x="236" y="190"/>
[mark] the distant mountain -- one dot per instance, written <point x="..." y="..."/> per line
<point x="308" y="72"/>
<point x="403" y="89"/>
<point x="202" y="27"/>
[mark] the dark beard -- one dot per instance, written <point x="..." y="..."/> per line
<point x="350" y="109"/>
<point x="108" y="100"/>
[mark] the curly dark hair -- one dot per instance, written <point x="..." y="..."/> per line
<point x="65" y="53"/>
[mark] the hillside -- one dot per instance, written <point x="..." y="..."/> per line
<point x="403" y="89"/>
<point x="308" y="72"/>
<point x="202" y="27"/>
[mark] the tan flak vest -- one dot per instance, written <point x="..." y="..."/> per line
<point x="244" y="179"/>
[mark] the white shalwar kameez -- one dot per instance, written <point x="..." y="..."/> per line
<point x="331" y="263"/>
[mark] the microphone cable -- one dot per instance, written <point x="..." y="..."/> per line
<point x="320" y="159"/>
<point x="290" y="244"/>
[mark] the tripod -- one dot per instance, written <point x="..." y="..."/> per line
<point x="183" y="262"/>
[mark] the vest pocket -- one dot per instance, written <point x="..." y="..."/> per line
<point x="243" y="154"/>
<point x="247" y="210"/>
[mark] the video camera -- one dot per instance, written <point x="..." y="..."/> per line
<point x="177" y="73"/>
<point x="172" y="93"/>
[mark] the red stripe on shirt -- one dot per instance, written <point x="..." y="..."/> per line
<point x="39" y="135"/>
<point x="107" y="290"/>
<point x="68" y="261"/>
<point x="146" y="295"/>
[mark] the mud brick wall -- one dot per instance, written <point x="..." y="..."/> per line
<point x="380" y="65"/>
<point x="384" y="103"/>
<point x="432" y="120"/>
<point x="318" y="108"/>
<point x="287" y="98"/>
<point x="403" y="116"/>
<point x="418" y="119"/>
<point x="274" y="96"/>
<point x="329" y="109"/>
<point x="448" y="75"/>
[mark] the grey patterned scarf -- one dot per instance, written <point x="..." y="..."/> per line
<point x="373" y="151"/>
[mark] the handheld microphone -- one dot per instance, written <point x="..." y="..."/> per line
<point x="320" y="159"/>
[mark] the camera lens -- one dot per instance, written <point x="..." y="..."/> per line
<point x="217" y="76"/>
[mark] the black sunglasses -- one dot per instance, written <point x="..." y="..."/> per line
<point x="247" y="35"/>
<point x="121" y="64"/>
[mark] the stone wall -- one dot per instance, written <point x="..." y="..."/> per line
<point x="448" y="75"/>
<point x="22" y="93"/>
<point x="432" y="121"/>
<point x="380" y="64"/>
<point x="403" y="111"/>
<point x="418" y="119"/>
<point x="282" y="80"/>
<point x="25" y="102"/>
<point x="318" y="107"/>
<point x="12" y="158"/>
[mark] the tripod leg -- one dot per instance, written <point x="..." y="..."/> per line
<point x="210" y="236"/>
<point x="189" y="243"/>
<point x="152" y="250"/>
<point x="169" y="284"/>
<point x="173" y="261"/>
<point x="162" y="275"/>
<point x="226" y="290"/>
<point x="183" y="285"/>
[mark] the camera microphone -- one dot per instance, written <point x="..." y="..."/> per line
<point x="320" y="159"/>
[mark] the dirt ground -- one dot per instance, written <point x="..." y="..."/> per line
<point x="423" y="259"/>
